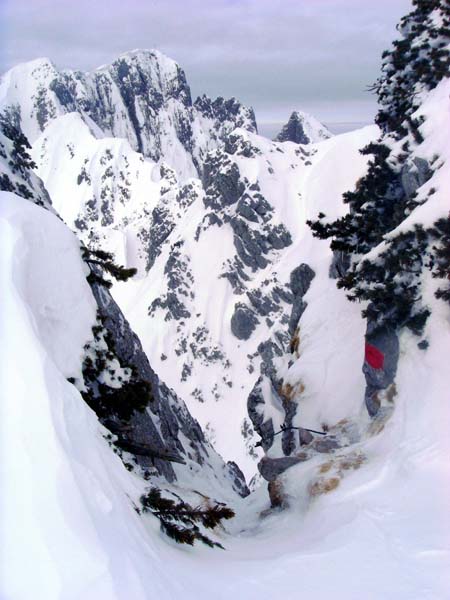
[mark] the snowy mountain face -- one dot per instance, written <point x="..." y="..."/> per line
<point x="293" y="300"/>
<point x="102" y="188"/>
<point x="118" y="200"/>
<point x="214" y="311"/>
<point x="216" y="242"/>
<point x="117" y="147"/>
<point x="303" y="128"/>
<point x="142" y="97"/>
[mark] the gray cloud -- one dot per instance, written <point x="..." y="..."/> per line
<point x="275" y="55"/>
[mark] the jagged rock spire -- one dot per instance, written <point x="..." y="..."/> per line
<point x="303" y="128"/>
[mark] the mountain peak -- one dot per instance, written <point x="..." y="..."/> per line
<point x="303" y="128"/>
<point x="39" y="68"/>
<point x="142" y="96"/>
<point x="145" y="56"/>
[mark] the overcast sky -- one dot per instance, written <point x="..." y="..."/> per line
<point x="275" y="55"/>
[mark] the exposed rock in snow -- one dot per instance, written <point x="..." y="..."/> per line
<point x="380" y="364"/>
<point x="226" y="113"/>
<point x="303" y="128"/>
<point x="301" y="278"/>
<point x="243" y="321"/>
<point x="271" y="468"/>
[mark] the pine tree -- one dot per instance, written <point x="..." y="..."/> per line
<point x="418" y="61"/>
<point x="389" y="279"/>
<point x="440" y="260"/>
<point x="19" y="160"/>
<point x="180" y="521"/>
<point x="106" y="262"/>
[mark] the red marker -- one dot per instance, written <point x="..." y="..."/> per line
<point x="374" y="357"/>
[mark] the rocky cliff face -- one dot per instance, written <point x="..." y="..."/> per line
<point x="143" y="97"/>
<point x="303" y="128"/>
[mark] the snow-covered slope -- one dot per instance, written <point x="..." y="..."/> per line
<point x="303" y="128"/>
<point x="143" y="97"/>
<point x="71" y="363"/>
<point x="67" y="500"/>
<point x="214" y="309"/>
<point x="376" y="488"/>
<point x="101" y="187"/>
<point x="383" y="533"/>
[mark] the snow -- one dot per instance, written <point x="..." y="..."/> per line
<point x="67" y="520"/>
<point x="45" y="424"/>
<point x="436" y="149"/>
<point x="40" y="261"/>
<point x="296" y="194"/>
<point x="20" y="87"/>
<point x="381" y="531"/>
<point x="102" y="182"/>
<point x="395" y="507"/>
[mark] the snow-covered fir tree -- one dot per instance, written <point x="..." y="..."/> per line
<point x="388" y="251"/>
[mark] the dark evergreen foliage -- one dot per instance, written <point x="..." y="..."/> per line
<point x="390" y="279"/>
<point x="16" y="164"/>
<point x="180" y="521"/>
<point x="6" y="184"/>
<point x="441" y="256"/>
<point x="19" y="159"/>
<point x="105" y="260"/>
<point x="418" y="60"/>
<point x="392" y="282"/>
<point x="377" y="205"/>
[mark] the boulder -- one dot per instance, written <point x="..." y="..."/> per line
<point x="243" y="321"/>
<point x="270" y="468"/>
